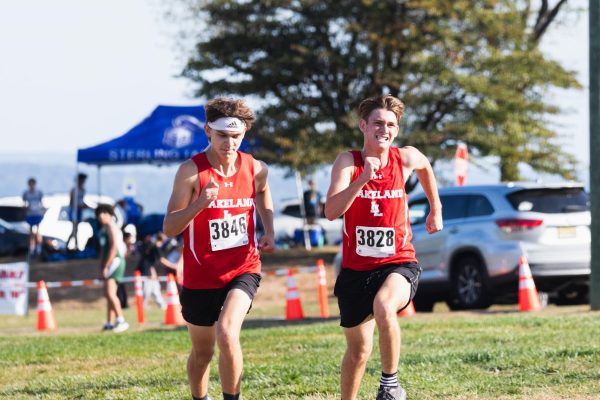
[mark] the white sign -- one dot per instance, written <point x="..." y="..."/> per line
<point x="13" y="288"/>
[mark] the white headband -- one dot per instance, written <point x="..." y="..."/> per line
<point x="230" y="124"/>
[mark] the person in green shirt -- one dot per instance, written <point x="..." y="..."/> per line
<point x="112" y="266"/>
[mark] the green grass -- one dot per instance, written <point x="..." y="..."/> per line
<point x="553" y="354"/>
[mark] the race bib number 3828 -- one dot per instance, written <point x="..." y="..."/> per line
<point x="228" y="232"/>
<point x="375" y="241"/>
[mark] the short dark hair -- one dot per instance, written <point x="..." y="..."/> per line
<point x="104" y="208"/>
<point x="386" y="102"/>
<point x="229" y="107"/>
<point x="81" y="176"/>
<point x="31" y="180"/>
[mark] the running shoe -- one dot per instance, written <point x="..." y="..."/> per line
<point x="108" y="327"/>
<point x="391" y="393"/>
<point x="121" y="327"/>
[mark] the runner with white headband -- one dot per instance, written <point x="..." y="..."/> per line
<point x="214" y="198"/>
<point x="229" y="124"/>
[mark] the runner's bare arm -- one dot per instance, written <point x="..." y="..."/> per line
<point x="264" y="206"/>
<point x="414" y="160"/>
<point x="342" y="191"/>
<point x="184" y="205"/>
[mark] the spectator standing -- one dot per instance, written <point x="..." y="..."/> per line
<point x="34" y="213"/>
<point x="312" y="202"/>
<point x="76" y="207"/>
<point x="171" y="256"/>
<point x="149" y="258"/>
<point x="112" y="266"/>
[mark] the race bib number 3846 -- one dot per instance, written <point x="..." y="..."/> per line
<point x="375" y="241"/>
<point x="228" y="232"/>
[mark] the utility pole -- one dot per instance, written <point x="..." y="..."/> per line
<point x="594" y="39"/>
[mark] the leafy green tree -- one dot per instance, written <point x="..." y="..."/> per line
<point x="468" y="70"/>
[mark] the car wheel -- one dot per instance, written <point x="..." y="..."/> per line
<point x="469" y="285"/>
<point x="574" y="296"/>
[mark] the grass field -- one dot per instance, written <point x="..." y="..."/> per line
<point x="501" y="354"/>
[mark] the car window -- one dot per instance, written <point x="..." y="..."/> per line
<point x="479" y="205"/>
<point x="418" y="211"/>
<point x="454" y="206"/>
<point x="64" y="214"/>
<point x="12" y="213"/>
<point x="550" y="200"/>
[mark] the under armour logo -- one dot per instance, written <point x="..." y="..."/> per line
<point x="226" y="214"/>
<point x="375" y="209"/>
<point x="378" y="176"/>
<point x="228" y="184"/>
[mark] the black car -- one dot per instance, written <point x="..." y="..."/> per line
<point x="14" y="240"/>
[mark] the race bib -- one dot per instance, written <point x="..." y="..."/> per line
<point x="229" y="232"/>
<point x="375" y="241"/>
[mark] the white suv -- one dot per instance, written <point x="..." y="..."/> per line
<point x="473" y="261"/>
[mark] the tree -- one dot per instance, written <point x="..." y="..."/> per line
<point x="468" y="70"/>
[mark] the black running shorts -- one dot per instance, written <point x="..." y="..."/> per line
<point x="202" y="307"/>
<point x="356" y="290"/>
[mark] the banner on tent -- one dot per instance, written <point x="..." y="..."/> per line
<point x="149" y="155"/>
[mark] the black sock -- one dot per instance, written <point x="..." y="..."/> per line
<point x="227" y="396"/>
<point x="389" y="380"/>
<point x="200" y="398"/>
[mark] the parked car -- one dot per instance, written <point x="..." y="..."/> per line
<point x="288" y="219"/>
<point x="473" y="261"/>
<point x="14" y="240"/>
<point x="56" y="222"/>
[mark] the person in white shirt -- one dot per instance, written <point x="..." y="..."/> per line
<point x="34" y="213"/>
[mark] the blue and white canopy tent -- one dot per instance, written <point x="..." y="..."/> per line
<point x="170" y="134"/>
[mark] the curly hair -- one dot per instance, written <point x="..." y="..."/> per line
<point x="386" y="102"/>
<point x="229" y="107"/>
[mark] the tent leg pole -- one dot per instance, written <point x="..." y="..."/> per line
<point x="99" y="184"/>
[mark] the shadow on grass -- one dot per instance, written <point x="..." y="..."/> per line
<point x="277" y="322"/>
<point x="257" y="323"/>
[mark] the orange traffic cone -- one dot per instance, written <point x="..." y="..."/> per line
<point x="529" y="299"/>
<point x="173" y="312"/>
<point x="139" y="296"/>
<point x="408" y="310"/>
<point x="322" y="289"/>
<point x="293" y="307"/>
<point x="45" y="316"/>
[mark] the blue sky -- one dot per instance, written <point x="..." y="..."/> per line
<point x="76" y="73"/>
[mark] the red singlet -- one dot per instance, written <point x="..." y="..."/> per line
<point x="219" y="243"/>
<point x="376" y="226"/>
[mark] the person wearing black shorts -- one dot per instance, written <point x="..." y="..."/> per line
<point x="380" y="273"/>
<point x="213" y="204"/>
<point x="203" y="307"/>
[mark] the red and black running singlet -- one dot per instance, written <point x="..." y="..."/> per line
<point x="219" y="243"/>
<point x="376" y="226"/>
